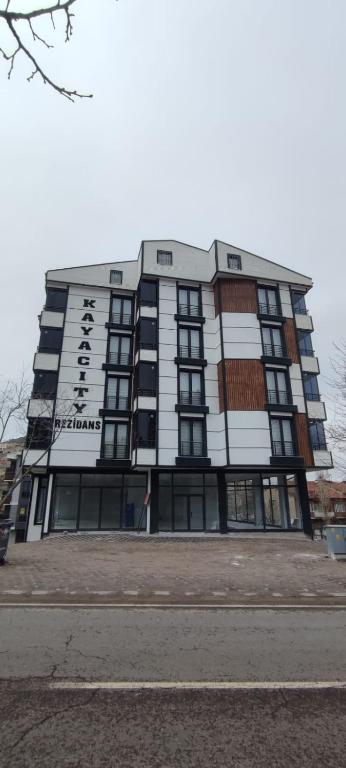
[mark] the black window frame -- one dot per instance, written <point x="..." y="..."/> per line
<point x="266" y="308"/>
<point x="41" y="499"/>
<point x="318" y="443"/>
<point x="61" y="294"/>
<point x="145" y="301"/>
<point x="143" y="365"/>
<point x="272" y="350"/>
<point x="311" y="396"/>
<point x="286" y="452"/>
<point x="140" y="440"/>
<point x="169" y="262"/>
<point x="121" y="321"/>
<point x="46" y="341"/>
<point x="118" y="273"/>
<point x="117" y="405"/>
<point x="46" y="393"/>
<point x="40" y="433"/>
<point x="123" y="454"/>
<point x="184" y="310"/>
<point x="232" y="257"/>
<point x="273" y="396"/>
<point x="308" y="351"/>
<point x="204" y="447"/>
<point x="122" y="357"/>
<point x="142" y="331"/>
<point x="190" y="399"/>
<point x="189" y="347"/>
<point x="298" y="296"/>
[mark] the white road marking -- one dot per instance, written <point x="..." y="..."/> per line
<point x="162" y="593"/>
<point x="130" y="591"/>
<point x="199" y="685"/>
<point x="39" y="592"/>
<point x="219" y="594"/>
<point x="187" y="606"/>
<point x="12" y="592"/>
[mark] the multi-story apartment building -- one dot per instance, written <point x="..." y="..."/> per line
<point x="181" y="392"/>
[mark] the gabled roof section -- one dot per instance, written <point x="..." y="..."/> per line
<point x="259" y="267"/>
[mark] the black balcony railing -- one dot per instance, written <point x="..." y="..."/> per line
<point x="319" y="445"/>
<point x="119" y="358"/>
<point x="115" y="451"/>
<point x="280" y="397"/>
<point x="117" y="403"/>
<point x="191" y="398"/>
<point x="192" y="352"/>
<point x="269" y="309"/>
<point x="192" y="310"/>
<point x="121" y="318"/>
<point x="307" y="352"/>
<point x="274" y="350"/>
<point x="312" y="396"/>
<point x="145" y="442"/>
<point x="192" y="448"/>
<point x="300" y="311"/>
<point x="283" y="448"/>
<point x="145" y="392"/>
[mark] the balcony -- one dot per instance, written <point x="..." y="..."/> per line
<point x="193" y="448"/>
<point x="319" y="445"/>
<point x="118" y="403"/>
<point x="269" y="311"/>
<point x="115" y="451"/>
<point x="117" y="361"/>
<point x="283" y="448"/>
<point x="307" y="352"/>
<point x="190" y="311"/>
<point x="121" y="318"/>
<point x="191" y="402"/>
<point x="314" y="396"/>
<point x="280" y="400"/>
<point x="274" y="353"/>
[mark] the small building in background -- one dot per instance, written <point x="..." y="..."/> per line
<point x="327" y="502"/>
<point x="10" y="463"/>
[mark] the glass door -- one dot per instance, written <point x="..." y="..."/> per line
<point x="188" y="512"/>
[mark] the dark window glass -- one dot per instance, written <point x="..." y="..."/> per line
<point x="116" y="276"/>
<point x="305" y="343"/>
<point x="191" y="388"/>
<point x="119" y="352"/>
<point x="189" y="302"/>
<point x="273" y="345"/>
<point x="145" y="429"/>
<point x="148" y="293"/>
<point x="45" y="384"/>
<point x="116" y="444"/>
<point x="190" y="342"/>
<point x="268" y="301"/>
<point x="122" y="313"/>
<point x="282" y="437"/>
<point x="233" y="261"/>
<point x="145" y="379"/>
<point x="41" y="499"/>
<point x="311" y="386"/>
<point x="50" y="340"/>
<point x="118" y="395"/>
<point x="56" y="299"/>
<point x="298" y="302"/>
<point x="317" y="436"/>
<point x="192" y="437"/>
<point x="39" y="433"/>
<point x="277" y="387"/>
<point x="147" y="333"/>
<point x="165" y="258"/>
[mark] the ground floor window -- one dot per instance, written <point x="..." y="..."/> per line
<point x="98" y="501"/>
<point x="263" y="501"/>
<point x="188" y="501"/>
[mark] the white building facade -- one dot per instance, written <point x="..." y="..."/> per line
<point x="177" y="392"/>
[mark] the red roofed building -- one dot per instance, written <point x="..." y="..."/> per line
<point x="327" y="502"/>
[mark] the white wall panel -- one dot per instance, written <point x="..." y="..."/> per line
<point x="98" y="346"/>
<point x="41" y="409"/>
<point x="95" y="392"/>
<point x="75" y="316"/>
<point x="316" y="409"/>
<point x="168" y="336"/>
<point x="34" y="531"/>
<point x="285" y="298"/>
<point x="323" y="459"/>
<point x="247" y="456"/>
<point x="213" y="404"/>
<point x="97" y="275"/>
<point x="90" y="292"/>
<point x="65" y="408"/>
<point x="35" y="457"/>
<point x="167" y="402"/>
<point x="242" y="351"/>
<point x="146" y="403"/>
<point x="45" y="361"/>
<point x="256" y="266"/>
<point x="146" y="456"/>
<point x="310" y="364"/>
<point x="69" y="359"/>
<point x="212" y="388"/>
<point x="147" y="311"/>
<point x="304" y="322"/>
<point x="74" y="330"/>
<point x="167" y="456"/>
<point x="189" y="263"/>
<point x="78" y="440"/>
<point x="51" y="319"/>
<point x="300" y="403"/>
<point x="240" y="320"/>
<point x="69" y="374"/>
<point x="168" y="385"/>
<point x="248" y="420"/>
<point x="210" y="372"/>
<point x="169" y="439"/>
<point x="69" y="458"/>
<point x="78" y="302"/>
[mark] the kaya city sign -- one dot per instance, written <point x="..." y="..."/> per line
<point x="76" y="420"/>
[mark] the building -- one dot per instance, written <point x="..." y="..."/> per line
<point x="10" y="463"/>
<point x="182" y="392"/>
<point x="327" y="502"/>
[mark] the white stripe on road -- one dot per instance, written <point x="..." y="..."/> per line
<point x="188" y="606"/>
<point x="199" y="685"/>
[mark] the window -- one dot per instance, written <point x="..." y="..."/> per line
<point x="45" y="385"/>
<point x="148" y="293"/>
<point x="192" y="437"/>
<point x="145" y="379"/>
<point x="119" y="350"/>
<point x="233" y="261"/>
<point x="121" y="310"/>
<point x="118" y="393"/>
<point x="298" y="303"/>
<point x="317" y="436"/>
<point x="310" y="383"/>
<point x="268" y="301"/>
<point x="56" y="300"/>
<point x="165" y="258"/>
<point x="146" y="333"/>
<point x="244" y="502"/>
<point x="39" y="433"/>
<point x="189" y="302"/>
<point x="190" y="343"/>
<point x="41" y="500"/>
<point x="282" y="437"/>
<point x="277" y="388"/>
<point x="188" y="501"/>
<point x="50" y="340"/>
<point x="272" y="342"/>
<point x="115" y="445"/>
<point x="305" y="343"/>
<point x="190" y="388"/>
<point x="145" y="429"/>
<point x="339" y="508"/>
<point x="116" y="276"/>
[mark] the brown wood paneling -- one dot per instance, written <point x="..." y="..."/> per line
<point x="245" y="385"/>
<point x="236" y="295"/>
<point x="303" y="438"/>
<point x="220" y="386"/>
<point x="291" y="340"/>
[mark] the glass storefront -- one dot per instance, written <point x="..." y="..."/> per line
<point x="98" y="501"/>
<point x="263" y="502"/>
<point x="188" y="501"/>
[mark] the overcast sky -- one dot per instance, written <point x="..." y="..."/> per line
<point x="210" y="119"/>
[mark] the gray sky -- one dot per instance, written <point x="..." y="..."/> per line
<point x="210" y="119"/>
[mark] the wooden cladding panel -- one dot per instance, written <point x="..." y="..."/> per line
<point x="303" y="439"/>
<point x="236" y="295"/>
<point x="244" y="384"/>
<point x="291" y="340"/>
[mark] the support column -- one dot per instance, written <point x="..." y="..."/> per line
<point x="154" y="505"/>
<point x="222" y="501"/>
<point x="304" y="501"/>
<point x="149" y="505"/>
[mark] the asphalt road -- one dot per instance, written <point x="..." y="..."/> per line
<point x="44" y="724"/>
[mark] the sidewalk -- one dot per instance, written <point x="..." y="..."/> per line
<point x="122" y="568"/>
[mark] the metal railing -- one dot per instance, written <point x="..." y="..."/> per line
<point x="300" y="311"/>
<point x="191" y="310"/>
<point x="121" y="318"/>
<point x="190" y="398"/>
<point x="193" y="352"/>
<point x="117" y="403"/>
<point x="274" y="350"/>
<point x="307" y="352"/>
<point x="281" y="397"/>
<point x="283" y="448"/>
<point x="145" y="392"/>
<point x="115" y="451"/>
<point x="119" y="358"/>
<point x="319" y="445"/>
<point x="269" y="309"/>
<point x="192" y="448"/>
<point x="312" y="396"/>
<point x="144" y="442"/>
